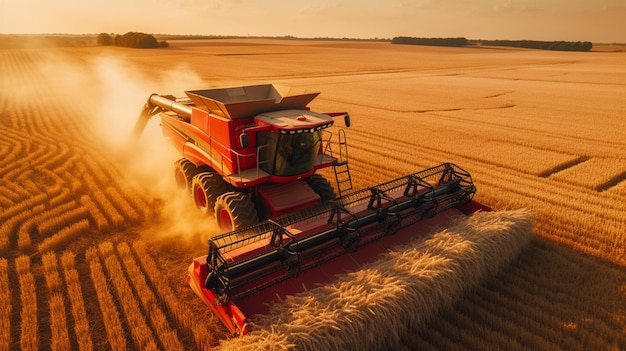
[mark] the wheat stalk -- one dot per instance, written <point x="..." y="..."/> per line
<point x="383" y="302"/>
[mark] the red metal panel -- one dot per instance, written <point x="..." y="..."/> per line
<point x="288" y="197"/>
<point x="221" y="130"/>
<point x="176" y="138"/>
<point x="221" y="145"/>
<point x="193" y="155"/>
<point x="230" y="315"/>
<point x="200" y="119"/>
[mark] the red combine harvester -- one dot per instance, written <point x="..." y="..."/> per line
<point x="249" y="157"/>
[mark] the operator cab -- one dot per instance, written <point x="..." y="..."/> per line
<point x="292" y="146"/>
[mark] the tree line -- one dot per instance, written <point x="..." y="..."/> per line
<point x="529" y="44"/>
<point x="542" y="45"/>
<point x="131" y="40"/>
<point x="430" y="41"/>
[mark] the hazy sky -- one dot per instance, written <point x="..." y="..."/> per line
<point x="572" y="20"/>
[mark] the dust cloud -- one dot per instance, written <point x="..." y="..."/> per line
<point x="109" y="94"/>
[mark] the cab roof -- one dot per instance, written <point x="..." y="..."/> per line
<point x="294" y="121"/>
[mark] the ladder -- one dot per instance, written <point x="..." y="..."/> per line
<point x="341" y="168"/>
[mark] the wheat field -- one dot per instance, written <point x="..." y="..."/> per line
<point x="95" y="241"/>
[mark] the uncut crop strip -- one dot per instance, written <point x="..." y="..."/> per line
<point x="167" y="337"/>
<point x="22" y="207"/>
<point x="74" y="291"/>
<point x="5" y="201"/>
<point x="58" y="217"/>
<point x="595" y="173"/>
<point x="142" y="335"/>
<point x="9" y="228"/>
<point x="103" y="203"/>
<point x="64" y="235"/>
<point x="120" y="202"/>
<point x="108" y="308"/>
<point x="101" y="222"/>
<point x="47" y="222"/>
<point x="104" y="172"/>
<point x="58" y="320"/>
<point x="186" y="318"/>
<point x="10" y="196"/>
<point x="29" y="326"/>
<point x="18" y="194"/>
<point x="380" y="304"/>
<point x="5" y="305"/>
<point x="26" y="160"/>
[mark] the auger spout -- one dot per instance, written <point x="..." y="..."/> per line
<point x="159" y="103"/>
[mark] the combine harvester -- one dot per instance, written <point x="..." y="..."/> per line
<point x="250" y="156"/>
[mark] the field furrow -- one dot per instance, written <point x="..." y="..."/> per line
<point x="202" y="333"/>
<point x="76" y="300"/>
<point x="5" y="305"/>
<point x="166" y="335"/>
<point x="116" y="337"/>
<point x="143" y="337"/>
<point x="29" y="323"/>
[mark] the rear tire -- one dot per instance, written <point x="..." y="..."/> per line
<point x="322" y="187"/>
<point x="205" y="188"/>
<point x="235" y="210"/>
<point x="184" y="171"/>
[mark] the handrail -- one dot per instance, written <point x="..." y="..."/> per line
<point x="258" y="158"/>
<point x="238" y="154"/>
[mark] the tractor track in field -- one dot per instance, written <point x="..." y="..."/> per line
<point x="614" y="181"/>
<point x="561" y="167"/>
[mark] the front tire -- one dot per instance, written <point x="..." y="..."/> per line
<point x="184" y="171"/>
<point x="235" y="210"/>
<point x="205" y="189"/>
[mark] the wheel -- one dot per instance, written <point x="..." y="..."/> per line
<point x="322" y="187"/>
<point x="234" y="210"/>
<point x="205" y="188"/>
<point x="184" y="171"/>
